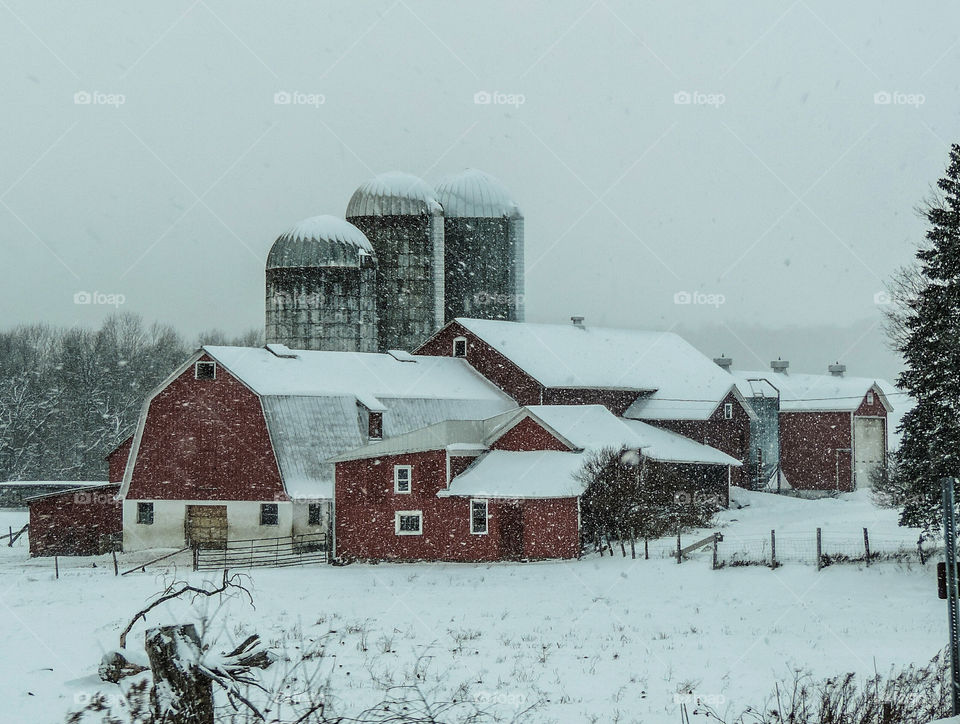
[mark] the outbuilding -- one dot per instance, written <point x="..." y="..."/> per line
<point x="82" y="521"/>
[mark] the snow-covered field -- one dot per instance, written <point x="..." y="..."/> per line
<point x="601" y="639"/>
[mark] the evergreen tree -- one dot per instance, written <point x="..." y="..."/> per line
<point x="930" y="447"/>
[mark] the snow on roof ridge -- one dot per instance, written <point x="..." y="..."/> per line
<point x="393" y="193"/>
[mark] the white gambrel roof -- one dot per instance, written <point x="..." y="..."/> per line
<point x="678" y="381"/>
<point x="393" y="194"/>
<point x="806" y="392"/>
<point x="475" y="194"/>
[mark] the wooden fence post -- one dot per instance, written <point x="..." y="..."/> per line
<point x="819" y="549"/>
<point x="116" y="568"/>
<point x="633" y="543"/>
<point x="10" y="543"/>
<point x="773" y="549"/>
<point x="678" y="547"/>
<point x="866" y="545"/>
<point x="623" y="548"/>
<point x="56" y="566"/>
<point x="715" y="557"/>
<point x="646" y="549"/>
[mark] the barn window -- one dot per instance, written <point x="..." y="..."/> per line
<point x="478" y="517"/>
<point x="314" y="514"/>
<point x="269" y="514"/>
<point x="375" y="425"/>
<point x="205" y="370"/>
<point x="870" y="397"/>
<point x="401" y="478"/>
<point x="727" y="410"/>
<point x="460" y="347"/>
<point x="408" y="522"/>
<point x="145" y="513"/>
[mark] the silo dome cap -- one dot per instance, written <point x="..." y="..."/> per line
<point x="393" y="194"/>
<point x="317" y="242"/>
<point x="475" y="194"/>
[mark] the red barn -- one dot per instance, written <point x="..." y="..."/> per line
<point x="833" y="428"/>
<point x="234" y="444"/>
<point x="656" y="377"/>
<point x="496" y="489"/>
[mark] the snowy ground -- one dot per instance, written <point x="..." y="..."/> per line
<point x="602" y="639"/>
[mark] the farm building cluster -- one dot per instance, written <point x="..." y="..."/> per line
<point x="404" y="410"/>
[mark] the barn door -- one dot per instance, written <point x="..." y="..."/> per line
<point x="511" y="529"/>
<point x="206" y="526"/>
<point x="868" y="448"/>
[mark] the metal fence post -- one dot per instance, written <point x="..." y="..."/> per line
<point x="950" y="553"/>
<point x="773" y="549"/>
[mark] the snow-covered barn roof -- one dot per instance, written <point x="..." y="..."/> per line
<point x="507" y="474"/>
<point x="310" y="402"/>
<point x="320" y="241"/>
<point x="393" y="194"/>
<point x="581" y="427"/>
<point x="675" y="381"/>
<point x="806" y="392"/>
<point x="475" y="194"/>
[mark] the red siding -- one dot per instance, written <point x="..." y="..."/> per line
<point x="487" y="361"/>
<point x="729" y="436"/>
<point x="117" y="460"/>
<point x="815" y="450"/>
<point x="528" y="435"/>
<point x="206" y="440"/>
<point x="617" y="401"/>
<point x="366" y="505"/>
<point x="76" y="522"/>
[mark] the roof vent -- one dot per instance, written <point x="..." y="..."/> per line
<point x="282" y="350"/>
<point x="779" y="365"/>
<point x="577" y="321"/>
<point x="837" y="369"/>
<point x="724" y="362"/>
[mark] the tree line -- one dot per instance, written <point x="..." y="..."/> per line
<point x="70" y="395"/>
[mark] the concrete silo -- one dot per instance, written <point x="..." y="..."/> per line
<point x="483" y="241"/>
<point x="400" y="215"/>
<point x="321" y="281"/>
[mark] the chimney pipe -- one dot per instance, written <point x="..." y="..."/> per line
<point x="779" y="365"/>
<point x="837" y="369"/>
<point x="577" y="321"/>
<point x="724" y="362"/>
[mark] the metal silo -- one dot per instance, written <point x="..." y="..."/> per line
<point x="400" y="215"/>
<point x="483" y="239"/>
<point x="321" y="281"/>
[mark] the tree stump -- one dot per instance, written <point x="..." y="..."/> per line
<point x="181" y="694"/>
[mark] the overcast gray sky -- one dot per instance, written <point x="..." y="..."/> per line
<point x="781" y="184"/>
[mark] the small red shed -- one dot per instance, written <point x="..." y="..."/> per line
<point x="83" y="521"/>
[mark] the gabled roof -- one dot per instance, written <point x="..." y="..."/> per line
<point x="824" y="393"/>
<point x="674" y="381"/>
<point x="505" y="474"/>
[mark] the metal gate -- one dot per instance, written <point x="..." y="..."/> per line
<point x="296" y="550"/>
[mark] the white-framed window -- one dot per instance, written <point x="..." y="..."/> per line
<point x="408" y="522"/>
<point x="478" y="517"/>
<point x="205" y="371"/>
<point x="870" y="397"/>
<point x="727" y="410"/>
<point x="460" y="347"/>
<point x="145" y="513"/>
<point x="402" y="477"/>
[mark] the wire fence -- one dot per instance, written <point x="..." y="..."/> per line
<point x="819" y="547"/>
